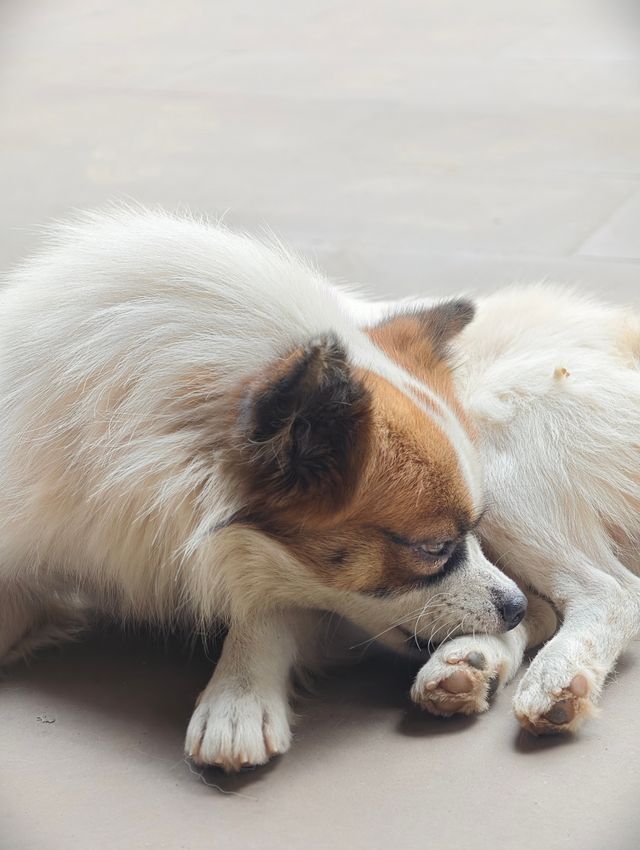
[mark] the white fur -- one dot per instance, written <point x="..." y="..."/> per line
<point x="110" y="489"/>
<point x="551" y="381"/>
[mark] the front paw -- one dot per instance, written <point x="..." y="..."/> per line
<point x="237" y="730"/>
<point x="553" y="704"/>
<point x="458" y="680"/>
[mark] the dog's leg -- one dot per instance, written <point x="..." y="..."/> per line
<point x="29" y="621"/>
<point x="564" y="681"/>
<point x="463" y="674"/>
<point x="242" y="717"/>
<point x="21" y="612"/>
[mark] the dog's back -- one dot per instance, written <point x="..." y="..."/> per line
<point x="119" y="346"/>
<point x="551" y="379"/>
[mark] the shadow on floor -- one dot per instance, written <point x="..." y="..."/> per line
<point x="151" y="683"/>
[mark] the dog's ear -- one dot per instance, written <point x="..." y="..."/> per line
<point x="421" y="336"/>
<point x="305" y="429"/>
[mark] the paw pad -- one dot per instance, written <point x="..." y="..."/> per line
<point x="465" y="690"/>
<point x="562" y="712"/>
<point x="579" y="686"/>
<point x="477" y="660"/>
<point x="570" y="706"/>
<point x="459" y="683"/>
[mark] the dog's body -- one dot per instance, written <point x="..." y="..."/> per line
<point x="551" y="382"/>
<point x="194" y="428"/>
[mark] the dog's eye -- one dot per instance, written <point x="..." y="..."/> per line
<point x="433" y="551"/>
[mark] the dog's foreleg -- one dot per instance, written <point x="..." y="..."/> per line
<point x="564" y="681"/>
<point x="463" y="674"/>
<point x="242" y="717"/>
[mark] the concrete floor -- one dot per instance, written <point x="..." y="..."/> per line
<point x="411" y="145"/>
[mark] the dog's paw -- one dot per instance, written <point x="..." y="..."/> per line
<point x="459" y="678"/>
<point x="235" y="731"/>
<point x="545" y="709"/>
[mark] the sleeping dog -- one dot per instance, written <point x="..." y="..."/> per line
<point x="195" y="428"/>
<point x="550" y="383"/>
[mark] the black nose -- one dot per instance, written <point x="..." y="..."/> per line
<point x="512" y="609"/>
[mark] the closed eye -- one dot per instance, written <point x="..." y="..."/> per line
<point x="443" y="556"/>
<point x="433" y="551"/>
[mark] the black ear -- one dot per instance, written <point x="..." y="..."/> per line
<point x="305" y="427"/>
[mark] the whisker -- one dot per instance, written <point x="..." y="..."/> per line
<point x="419" y="612"/>
<point x="394" y="625"/>
<point x="443" y="626"/>
<point x="422" y="613"/>
<point x="431" y="644"/>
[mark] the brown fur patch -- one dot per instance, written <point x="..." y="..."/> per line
<point x="411" y="489"/>
<point x="387" y="478"/>
<point x="419" y="338"/>
<point x="406" y="338"/>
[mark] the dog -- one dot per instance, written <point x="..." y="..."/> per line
<point x="194" y="429"/>
<point x="549" y="380"/>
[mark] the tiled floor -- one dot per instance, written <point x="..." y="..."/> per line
<point x="411" y="146"/>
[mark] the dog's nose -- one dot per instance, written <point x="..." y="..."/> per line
<point x="512" y="609"/>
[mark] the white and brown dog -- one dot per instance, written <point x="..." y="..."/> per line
<point x="550" y="383"/>
<point x="195" y="428"/>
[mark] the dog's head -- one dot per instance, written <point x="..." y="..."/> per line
<point x="368" y="479"/>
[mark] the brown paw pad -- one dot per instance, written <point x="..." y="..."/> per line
<point x="458" y="683"/>
<point x="463" y="692"/>
<point x="562" y="712"/>
<point x="570" y="707"/>
<point x="579" y="686"/>
<point x="474" y="659"/>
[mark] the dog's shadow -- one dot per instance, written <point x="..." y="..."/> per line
<point x="150" y="685"/>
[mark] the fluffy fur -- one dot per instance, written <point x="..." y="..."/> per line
<point x="195" y="429"/>
<point x="551" y="383"/>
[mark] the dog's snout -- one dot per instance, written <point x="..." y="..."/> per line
<point x="512" y="609"/>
